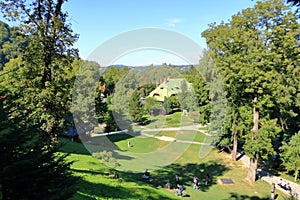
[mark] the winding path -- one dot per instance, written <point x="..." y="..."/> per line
<point x="270" y="178"/>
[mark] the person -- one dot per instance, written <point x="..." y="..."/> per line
<point x="180" y="190"/>
<point x="206" y="179"/>
<point x="177" y="179"/>
<point x="196" y="183"/>
<point x="280" y="182"/>
<point x="273" y="191"/>
<point x="283" y="184"/>
<point x="288" y="187"/>
<point x="146" y="175"/>
<point x="129" y="144"/>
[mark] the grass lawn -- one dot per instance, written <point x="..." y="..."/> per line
<point x="95" y="182"/>
<point x="173" y="120"/>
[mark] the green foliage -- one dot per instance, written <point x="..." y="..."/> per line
<point x="85" y="92"/>
<point x="167" y="105"/>
<point x="259" y="145"/>
<point x="28" y="169"/>
<point x="291" y="155"/>
<point x="10" y="44"/>
<point x="136" y="110"/>
<point x="174" y="103"/>
<point x="36" y="80"/>
<point x="145" y="90"/>
<point x="257" y="54"/>
<point x="187" y="98"/>
<point x="107" y="156"/>
<point x="110" y="123"/>
<point x="37" y="84"/>
<point x="111" y="77"/>
<point x="201" y="92"/>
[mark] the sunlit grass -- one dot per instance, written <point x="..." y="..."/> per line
<point x="96" y="183"/>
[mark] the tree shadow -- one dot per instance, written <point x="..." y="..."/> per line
<point x="187" y="173"/>
<point x="119" y="137"/>
<point x="73" y="147"/>
<point x="236" y="196"/>
<point x="113" y="190"/>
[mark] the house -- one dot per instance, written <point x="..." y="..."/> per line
<point x="170" y="87"/>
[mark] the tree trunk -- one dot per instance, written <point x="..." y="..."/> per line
<point x="254" y="161"/>
<point x="296" y="174"/>
<point x="255" y="120"/>
<point x="252" y="170"/>
<point x="235" y="143"/>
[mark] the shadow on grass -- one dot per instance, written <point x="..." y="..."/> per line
<point x="114" y="189"/>
<point x="235" y="196"/>
<point x="187" y="173"/>
<point x="74" y="147"/>
<point x="148" y="121"/>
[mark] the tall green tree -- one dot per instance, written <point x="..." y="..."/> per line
<point x="38" y="76"/>
<point x="291" y="155"/>
<point x="136" y="110"/>
<point x="27" y="169"/>
<point x="201" y="90"/>
<point x="257" y="55"/>
<point x="37" y="87"/>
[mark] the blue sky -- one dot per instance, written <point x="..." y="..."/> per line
<point x="96" y="21"/>
<point x="99" y="20"/>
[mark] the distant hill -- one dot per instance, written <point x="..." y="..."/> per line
<point x="182" y="68"/>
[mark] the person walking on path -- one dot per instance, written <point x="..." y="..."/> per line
<point x="273" y="192"/>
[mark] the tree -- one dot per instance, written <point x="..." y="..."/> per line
<point x="136" y="110"/>
<point x="167" y="105"/>
<point x="200" y="88"/>
<point x="186" y="97"/>
<point x="27" y="169"/>
<point x="9" y="44"/>
<point x="257" y="53"/>
<point x="291" y="155"/>
<point x="85" y="92"/>
<point x="111" y="77"/>
<point x="38" y="76"/>
<point x="37" y="85"/>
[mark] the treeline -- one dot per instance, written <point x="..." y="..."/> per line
<point x="257" y="55"/>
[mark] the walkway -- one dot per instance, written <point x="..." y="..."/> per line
<point x="171" y="139"/>
<point x="268" y="177"/>
<point x="165" y="138"/>
<point x="181" y="128"/>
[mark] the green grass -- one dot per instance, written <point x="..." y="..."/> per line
<point x="141" y="144"/>
<point x="95" y="182"/>
<point x="199" y="137"/>
<point x="205" y="128"/>
<point x="172" y="120"/>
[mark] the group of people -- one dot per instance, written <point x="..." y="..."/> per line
<point x="179" y="187"/>
<point x="196" y="181"/>
<point x="284" y="185"/>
